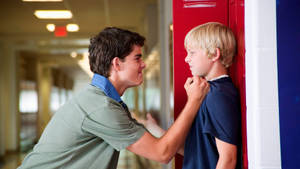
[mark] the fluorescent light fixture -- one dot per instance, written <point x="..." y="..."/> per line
<point x="42" y="0"/>
<point x="53" y="14"/>
<point x="50" y="27"/>
<point x="72" y="27"/>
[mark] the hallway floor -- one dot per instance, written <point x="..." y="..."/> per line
<point x="12" y="160"/>
<point x="126" y="160"/>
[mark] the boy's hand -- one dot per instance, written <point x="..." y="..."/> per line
<point x="151" y="125"/>
<point x="196" y="88"/>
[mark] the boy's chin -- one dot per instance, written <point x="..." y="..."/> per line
<point x="138" y="83"/>
<point x="195" y="74"/>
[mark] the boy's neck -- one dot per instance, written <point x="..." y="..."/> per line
<point x="117" y="84"/>
<point x="216" y="71"/>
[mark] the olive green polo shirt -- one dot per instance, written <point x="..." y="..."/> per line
<point x="86" y="133"/>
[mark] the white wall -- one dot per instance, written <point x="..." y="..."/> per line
<point x="261" y="85"/>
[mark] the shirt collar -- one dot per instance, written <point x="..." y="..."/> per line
<point x="105" y="85"/>
<point x="219" y="77"/>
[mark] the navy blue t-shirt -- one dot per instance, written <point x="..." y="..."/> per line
<point x="219" y="116"/>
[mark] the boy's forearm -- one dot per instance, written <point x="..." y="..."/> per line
<point x="175" y="136"/>
<point x="227" y="155"/>
<point x="164" y="148"/>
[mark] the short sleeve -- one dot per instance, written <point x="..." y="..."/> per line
<point x="222" y="119"/>
<point x="111" y="123"/>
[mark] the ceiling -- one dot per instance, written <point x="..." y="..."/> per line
<point x="21" y="29"/>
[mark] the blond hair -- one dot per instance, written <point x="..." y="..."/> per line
<point x="210" y="36"/>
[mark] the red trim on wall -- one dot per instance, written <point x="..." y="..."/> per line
<point x="237" y="70"/>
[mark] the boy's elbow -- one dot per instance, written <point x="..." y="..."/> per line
<point x="166" y="159"/>
<point x="232" y="160"/>
<point x="229" y="162"/>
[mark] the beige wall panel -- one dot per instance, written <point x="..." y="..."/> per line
<point x="44" y="92"/>
<point x="9" y="101"/>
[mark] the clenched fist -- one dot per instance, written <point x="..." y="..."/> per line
<point x="196" y="88"/>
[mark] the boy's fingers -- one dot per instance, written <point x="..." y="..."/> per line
<point x="148" y="116"/>
<point x="196" y="79"/>
<point x="202" y="81"/>
<point x="188" y="82"/>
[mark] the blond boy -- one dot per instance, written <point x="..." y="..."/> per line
<point x="213" y="140"/>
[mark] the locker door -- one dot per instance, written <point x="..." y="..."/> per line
<point x="190" y="13"/>
<point x="186" y="15"/>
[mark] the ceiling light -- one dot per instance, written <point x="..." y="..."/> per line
<point x="72" y="27"/>
<point x="50" y="27"/>
<point x="42" y="0"/>
<point x="73" y="54"/>
<point x="53" y="14"/>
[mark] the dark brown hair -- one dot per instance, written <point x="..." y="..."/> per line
<point x="110" y="43"/>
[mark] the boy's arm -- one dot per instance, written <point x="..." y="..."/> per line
<point x="181" y="150"/>
<point x="152" y="126"/>
<point x="164" y="148"/>
<point x="227" y="155"/>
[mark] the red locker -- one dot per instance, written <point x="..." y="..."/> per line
<point x="190" y="13"/>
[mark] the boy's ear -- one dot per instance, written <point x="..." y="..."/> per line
<point x="217" y="55"/>
<point x="115" y="64"/>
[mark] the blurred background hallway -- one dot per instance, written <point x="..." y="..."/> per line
<point x="44" y="61"/>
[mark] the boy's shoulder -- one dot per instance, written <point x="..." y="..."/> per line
<point x="92" y="98"/>
<point x="222" y="88"/>
<point x="222" y="96"/>
<point x="222" y="103"/>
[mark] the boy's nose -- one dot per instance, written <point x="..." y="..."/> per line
<point x="186" y="59"/>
